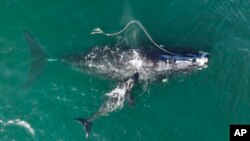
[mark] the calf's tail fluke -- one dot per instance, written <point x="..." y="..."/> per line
<point x="86" y="124"/>
<point x="38" y="58"/>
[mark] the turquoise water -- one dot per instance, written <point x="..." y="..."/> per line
<point x="196" y="106"/>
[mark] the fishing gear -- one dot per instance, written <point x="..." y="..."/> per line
<point x="99" y="31"/>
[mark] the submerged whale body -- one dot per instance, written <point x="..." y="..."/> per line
<point x="126" y="65"/>
<point x="117" y="63"/>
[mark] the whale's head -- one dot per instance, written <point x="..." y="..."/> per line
<point x="184" y="62"/>
<point x="129" y="83"/>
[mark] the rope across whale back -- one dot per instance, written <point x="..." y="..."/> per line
<point x="99" y="31"/>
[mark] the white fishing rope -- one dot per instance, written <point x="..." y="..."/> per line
<point x="99" y="31"/>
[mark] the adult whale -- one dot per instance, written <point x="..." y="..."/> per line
<point x="119" y="63"/>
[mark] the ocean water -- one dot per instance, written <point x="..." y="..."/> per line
<point x="195" y="106"/>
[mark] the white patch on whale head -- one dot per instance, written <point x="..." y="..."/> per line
<point x="203" y="60"/>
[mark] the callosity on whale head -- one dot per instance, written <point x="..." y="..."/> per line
<point x="199" y="59"/>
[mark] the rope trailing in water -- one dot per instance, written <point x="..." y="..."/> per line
<point x="99" y="31"/>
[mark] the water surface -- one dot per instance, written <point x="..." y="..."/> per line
<point x="196" y="106"/>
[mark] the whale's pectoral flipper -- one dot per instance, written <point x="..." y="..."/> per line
<point x="38" y="58"/>
<point x="86" y="124"/>
<point x="130" y="99"/>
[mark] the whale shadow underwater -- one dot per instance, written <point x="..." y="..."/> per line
<point x="127" y="66"/>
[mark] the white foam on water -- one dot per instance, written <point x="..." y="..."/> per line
<point x="20" y="123"/>
<point x="164" y="80"/>
<point x="52" y="60"/>
<point x="117" y="90"/>
<point x="25" y="125"/>
<point x="136" y="61"/>
<point x="120" y="94"/>
<point x="115" y="101"/>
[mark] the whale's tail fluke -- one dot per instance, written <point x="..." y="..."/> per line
<point x="38" y="58"/>
<point x="86" y="124"/>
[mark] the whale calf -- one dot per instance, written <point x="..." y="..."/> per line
<point x="115" y="100"/>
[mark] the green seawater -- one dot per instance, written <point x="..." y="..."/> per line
<point x="197" y="106"/>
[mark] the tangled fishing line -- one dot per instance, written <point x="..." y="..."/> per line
<point x="99" y="31"/>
